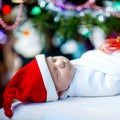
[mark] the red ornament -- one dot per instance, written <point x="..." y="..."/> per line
<point x="110" y="45"/>
<point x="6" y="9"/>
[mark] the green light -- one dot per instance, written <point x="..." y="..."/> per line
<point x="36" y="10"/>
<point x="117" y="6"/>
<point x="87" y="34"/>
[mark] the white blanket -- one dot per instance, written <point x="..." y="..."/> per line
<point x="97" y="74"/>
<point x="107" y="63"/>
<point x="101" y="108"/>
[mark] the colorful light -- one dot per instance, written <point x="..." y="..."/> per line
<point x="6" y="9"/>
<point x="36" y="10"/>
<point x="18" y="18"/>
<point x="84" y="31"/>
<point x="3" y="37"/>
<point x="0" y="4"/>
<point x="26" y="32"/>
<point x="1" y="34"/>
<point x="117" y="6"/>
<point x="87" y="4"/>
<point x="61" y="4"/>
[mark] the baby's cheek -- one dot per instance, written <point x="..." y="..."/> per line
<point x="69" y="77"/>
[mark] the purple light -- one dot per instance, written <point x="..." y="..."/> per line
<point x="0" y="4"/>
<point x="1" y="34"/>
<point x="3" y="37"/>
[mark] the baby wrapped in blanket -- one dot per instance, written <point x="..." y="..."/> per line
<point x="96" y="73"/>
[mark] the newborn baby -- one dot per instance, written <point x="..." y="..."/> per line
<point x="96" y="73"/>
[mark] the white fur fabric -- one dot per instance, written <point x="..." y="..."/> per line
<point x="107" y="63"/>
<point x="97" y="74"/>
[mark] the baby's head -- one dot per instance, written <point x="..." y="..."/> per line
<point x="58" y="70"/>
<point x="43" y="79"/>
<point x="62" y="72"/>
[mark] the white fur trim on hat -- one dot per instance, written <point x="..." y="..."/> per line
<point x="49" y="84"/>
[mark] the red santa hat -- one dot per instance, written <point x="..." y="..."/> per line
<point x="32" y="83"/>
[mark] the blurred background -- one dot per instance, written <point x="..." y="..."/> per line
<point x="52" y="27"/>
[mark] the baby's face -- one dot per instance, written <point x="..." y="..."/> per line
<point x="62" y="72"/>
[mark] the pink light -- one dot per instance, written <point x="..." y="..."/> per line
<point x="72" y="7"/>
